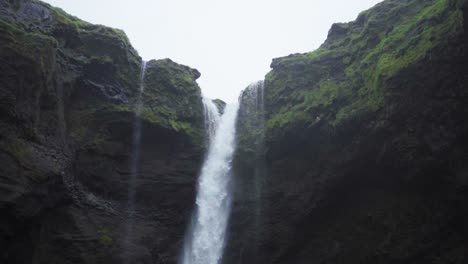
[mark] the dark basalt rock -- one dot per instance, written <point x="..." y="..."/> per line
<point x="365" y="146"/>
<point x="68" y="91"/>
<point x="357" y="154"/>
<point x="220" y="104"/>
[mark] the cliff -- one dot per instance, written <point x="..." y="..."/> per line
<point x="68" y="98"/>
<point x="364" y="153"/>
<point x="353" y="153"/>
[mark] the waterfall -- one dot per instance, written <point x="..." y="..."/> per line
<point x="212" y="117"/>
<point x="259" y="173"/>
<point x="256" y="89"/>
<point x="134" y="163"/>
<point x="205" y="243"/>
<point x="257" y="95"/>
<point x="253" y="185"/>
<point x="136" y="141"/>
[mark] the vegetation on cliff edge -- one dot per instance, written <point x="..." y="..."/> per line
<point x="346" y="77"/>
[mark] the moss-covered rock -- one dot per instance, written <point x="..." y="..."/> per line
<point x="68" y="106"/>
<point x="220" y="104"/>
<point x="173" y="98"/>
<point x="250" y="127"/>
<point x="365" y="145"/>
<point x="347" y="76"/>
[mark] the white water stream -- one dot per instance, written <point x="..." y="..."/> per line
<point x="206" y="239"/>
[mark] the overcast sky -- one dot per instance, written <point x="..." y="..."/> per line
<point x="231" y="42"/>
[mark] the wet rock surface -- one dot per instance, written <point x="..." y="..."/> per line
<point x="68" y="91"/>
<point x="365" y="146"/>
<point x="354" y="153"/>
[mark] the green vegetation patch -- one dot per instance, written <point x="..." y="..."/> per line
<point x="105" y="237"/>
<point x="18" y="149"/>
<point x="346" y="77"/>
<point x="172" y="98"/>
<point x="38" y="47"/>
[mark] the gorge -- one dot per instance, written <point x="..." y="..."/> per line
<point x="353" y="153"/>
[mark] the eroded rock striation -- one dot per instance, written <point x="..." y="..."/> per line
<point x="365" y="145"/>
<point x="68" y="94"/>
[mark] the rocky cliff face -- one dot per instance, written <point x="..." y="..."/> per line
<point x="354" y="153"/>
<point x="68" y="94"/>
<point x="365" y="145"/>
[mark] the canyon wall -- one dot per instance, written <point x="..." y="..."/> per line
<point x="68" y="95"/>
<point x="364" y="147"/>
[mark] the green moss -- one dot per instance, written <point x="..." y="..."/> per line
<point x="187" y="78"/>
<point x="19" y="149"/>
<point x="160" y="116"/>
<point x="105" y="237"/>
<point x="74" y="24"/>
<point x="318" y="53"/>
<point x="64" y="18"/>
<point x="36" y="47"/>
<point x="411" y="40"/>
<point x="121" y="35"/>
<point x="95" y="42"/>
<point x="172" y="98"/>
<point x="314" y="100"/>
<point x="346" y="77"/>
<point x="9" y="28"/>
<point x="30" y="40"/>
<point x="152" y="116"/>
<point x="324" y="95"/>
<point x="184" y="127"/>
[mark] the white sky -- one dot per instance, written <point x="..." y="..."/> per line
<point x="231" y="42"/>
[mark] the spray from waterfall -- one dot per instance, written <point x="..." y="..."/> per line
<point x="205" y="242"/>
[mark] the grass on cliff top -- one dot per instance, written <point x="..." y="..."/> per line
<point x="23" y="38"/>
<point x="91" y="37"/>
<point x="368" y="57"/>
<point x="64" y="19"/>
<point x="89" y="43"/>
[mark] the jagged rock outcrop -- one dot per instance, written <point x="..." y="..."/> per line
<point x="365" y="145"/>
<point x="68" y="94"/>
<point x="220" y="104"/>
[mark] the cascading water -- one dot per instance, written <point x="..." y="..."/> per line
<point x="258" y="92"/>
<point x="205" y="243"/>
<point x="136" y="142"/>
<point x="212" y="117"/>
<point x="257" y="95"/>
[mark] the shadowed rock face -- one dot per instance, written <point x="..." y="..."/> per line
<point x="365" y="145"/>
<point x="358" y="157"/>
<point x="68" y="91"/>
